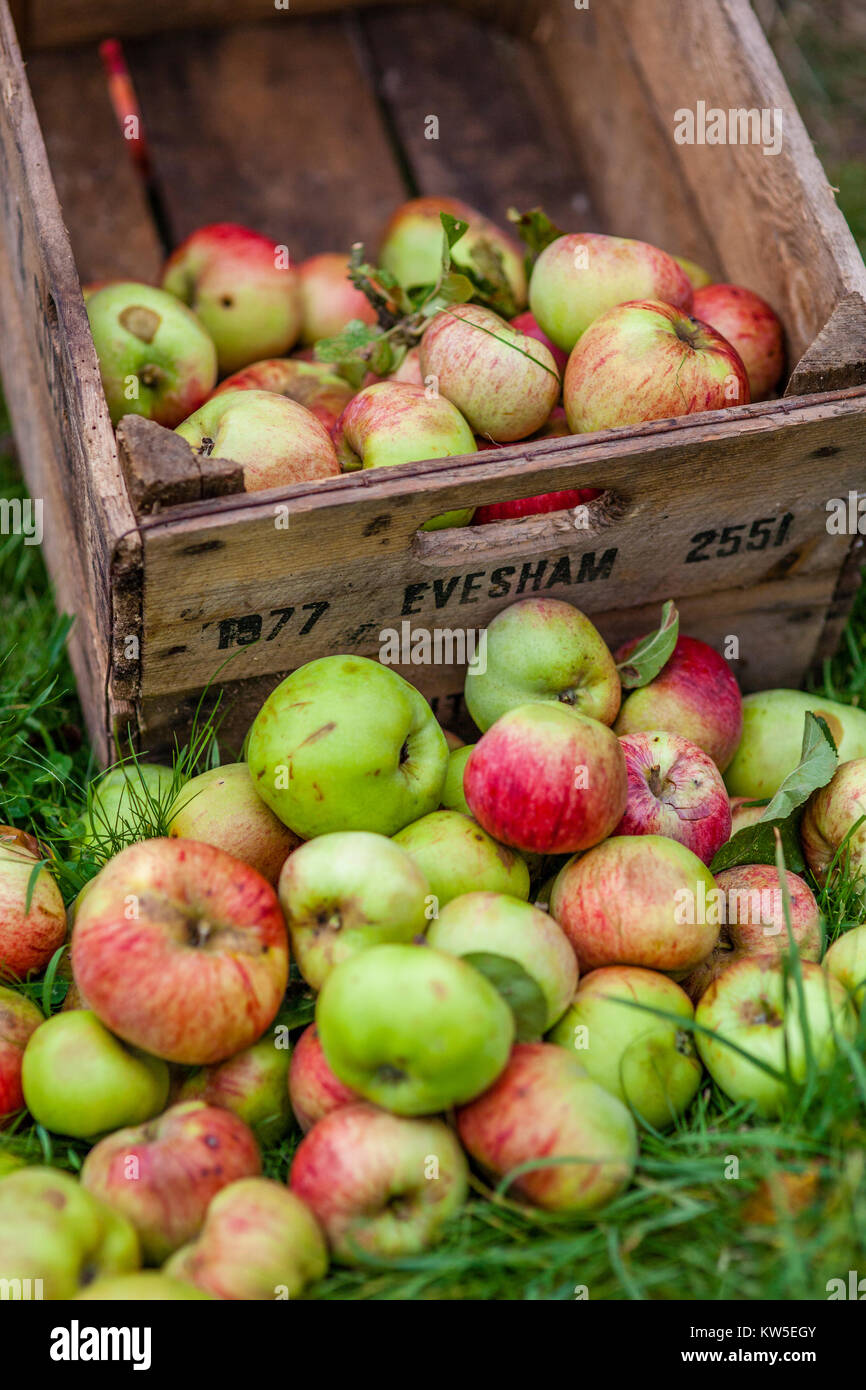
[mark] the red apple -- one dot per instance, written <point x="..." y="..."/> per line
<point x="181" y="950"/>
<point x="827" y="828"/>
<point x="329" y="300"/>
<point x="674" y="789"/>
<point x="645" y="360"/>
<point x="742" y="814"/>
<point x="312" y="384"/>
<point x="163" y="1174"/>
<point x="545" y="1106"/>
<point x="19" y="1018"/>
<point x="32" y="924"/>
<point x="695" y="695"/>
<point x="409" y="369"/>
<point x="527" y="323"/>
<point x="548" y="779"/>
<point x="314" y="1090"/>
<point x="750" y="326"/>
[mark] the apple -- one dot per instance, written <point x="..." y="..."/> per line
<point x="413" y="1029"/>
<point x="453" y="797"/>
<point x="756" y="1007"/>
<point x="542" y="649"/>
<point x="827" y="831"/>
<point x="503" y="382"/>
<point x="221" y="807"/>
<point x="181" y="950"/>
<point x="146" y="1286"/>
<point x="846" y="962"/>
<point x="393" y="422"/>
<point x="675" y="789"/>
<point x="54" y="1231"/>
<point x="259" y="1241"/>
<point x="453" y="740"/>
<point x="276" y="441"/>
<point x="698" y="277"/>
<point x="546" y="778"/>
<point x="545" y="502"/>
<point x="313" y="385"/>
<point x="345" y="892"/>
<point x="528" y="324"/>
<point x="127" y="798"/>
<point x="772" y="738"/>
<point x="409" y="369"/>
<point x="163" y="1175"/>
<point x="19" y="1019"/>
<point x="544" y="1106"/>
<point x="519" y="947"/>
<point x="749" y="325"/>
<point x="646" y="360"/>
<point x="156" y="358"/>
<point x="637" y="900"/>
<point x="329" y="300"/>
<point x="580" y="276"/>
<point x="78" y="1079"/>
<point x="695" y="695"/>
<point x="744" y="813"/>
<point x="243" y="289"/>
<point x="640" y="1057"/>
<point x="314" y="1090"/>
<point x="456" y="856"/>
<point x="346" y="744"/>
<point x="753" y="921"/>
<point x="378" y="1184"/>
<point x="32" y="915"/>
<point x="413" y="241"/>
<point x="252" y="1084"/>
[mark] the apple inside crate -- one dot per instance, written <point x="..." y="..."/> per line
<point x="323" y="120"/>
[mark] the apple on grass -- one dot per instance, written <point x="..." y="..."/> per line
<point x="252" y="1084"/>
<point x="313" y="385"/>
<point x="78" y="1079"/>
<point x="346" y="744"/>
<point x="503" y="382"/>
<point x="756" y="1006"/>
<point x="644" y="1059"/>
<point x="636" y="900"/>
<point x="259" y="1241"/>
<point x="314" y="1090"/>
<point x="772" y="738"/>
<point x="275" y="441"/>
<point x="329" y="300"/>
<point x="413" y="241"/>
<point x="243" y="289"/>
<point x="827" y="830"/>
<point x="52" y="1230"/>
<point x="749" y="325"/>
<point x="846" y="962"/>
<point x="32" y="915"/>
<point x="694" y="695"/>
<point x="546" y="778"/>
<point x="146" y="1286"/>
<point x="19" y="1019"/>
<point x="544" y="1106"/>
<point x="156" y="358"/>
<point x="163" y="1175"/>
<point x="520" y="949"/>
<point x="675" y="789"/>
<point x="753" y="921"/>
<point x="221" y="807"/>
<point x="181" y="950"/>
<point x="412" y="1029"/>
<point x="453" y="797"/>
<point x="581" y="275"/>
<point x="344" y="892"/>
<point x="456" y="856"/>
<point x="126" y="799"/>
<point x="393" y="422"/>
<point x="378" y="1184"/>
<point x="647" y="360"/>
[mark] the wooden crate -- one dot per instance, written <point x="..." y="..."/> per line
<point x="311" y="127"/>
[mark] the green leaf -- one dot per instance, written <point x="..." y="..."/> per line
<point x="518" y="989"/>
<point x="535" y="230"/>
<point x="756" y="844"/>
<point x="454" y="228"/>
<point x="649" y="656"/>
<point x="454" y="289"/>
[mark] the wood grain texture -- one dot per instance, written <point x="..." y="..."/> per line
<point x="161" y="470"/>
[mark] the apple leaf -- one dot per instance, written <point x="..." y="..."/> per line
<point x="535" y="230"/>
<point x="756" y="844"/>
<point x="454" y="228"/>
<point x="649" y="656"/>
<point x="518" y="989"/>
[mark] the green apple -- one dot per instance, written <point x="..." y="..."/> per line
<point x="542" y="649"/>
<point x="81" y="1080"/>
<point x="456" y="856"/>
<point x="453" y="796"/>
<point x="146" y="1286"/>
<point x="275" y="440"/>
<point x="222" y="807"/>
<point x="827" y="830"/>
<point x="155" y="358"/>
<point x="772" y="738"/>
<point x="846" y="962"/>
<point x="253" y="1085"/>
<point x="755" y="1007"/>
<point x="413" y="1029"/>
<point x="640" y="1057"/>
<point x="124" y="798"/>
<point x="52" y="1230"/>
<point x="344" y="892"/>
<point x="520" y="949"/>
<point x="413" y="241"/>
<point x="346" y="744"/>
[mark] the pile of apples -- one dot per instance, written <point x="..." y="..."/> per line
<point x="515" y="946"/>
<point x="616" y="332"/>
